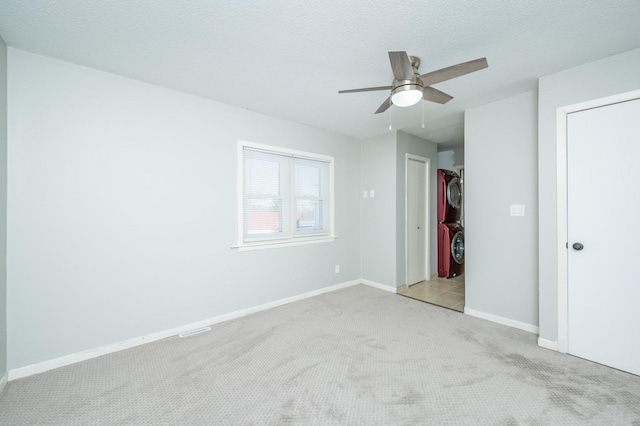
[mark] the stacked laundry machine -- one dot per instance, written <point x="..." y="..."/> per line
<point x="450" y="231"/>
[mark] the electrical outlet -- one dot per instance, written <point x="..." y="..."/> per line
<point x="337" y="268"/>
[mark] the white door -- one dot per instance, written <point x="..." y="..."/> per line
<point x="603" y="187"/>
<point x="417" y="232"/>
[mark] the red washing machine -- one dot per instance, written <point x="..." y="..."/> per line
<point x="450" y="250"/>
<point x="449" y="196"/>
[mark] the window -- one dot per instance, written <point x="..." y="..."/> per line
<point x="285" y="196"/>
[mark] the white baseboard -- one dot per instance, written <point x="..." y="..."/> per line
<point x="379" y="286"/>
<point x="547" y="344"/>
<point x="41" y="367"/>
<point x="3" y="381"/>
<point x="501" y="320"/>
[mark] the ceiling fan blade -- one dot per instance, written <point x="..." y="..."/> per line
<point x="453" y="71"/>
<point x="385" y="106"/>
<point x="434" y="95"/>
<point x="366" y="89"/>
<point x="401" y="65"/>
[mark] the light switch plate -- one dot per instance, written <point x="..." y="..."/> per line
<point x="517" y="209"/>
<point x="372" y="193"/>
<point x="365" y="194"/>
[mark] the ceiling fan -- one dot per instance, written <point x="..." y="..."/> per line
<point x="409" y="87"/>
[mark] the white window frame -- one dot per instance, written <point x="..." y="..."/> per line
<point x="294" y="239"/>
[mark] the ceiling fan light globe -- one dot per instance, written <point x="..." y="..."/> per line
<point x="405" y="96"/>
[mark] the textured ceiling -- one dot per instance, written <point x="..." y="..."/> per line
<point x="289" y="59"/>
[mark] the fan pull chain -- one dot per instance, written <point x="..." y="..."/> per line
<point x="390" y="127"/>
<point x="422" y="114"/>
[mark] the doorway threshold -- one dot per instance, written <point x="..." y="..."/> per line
<point x="445" y="292"/>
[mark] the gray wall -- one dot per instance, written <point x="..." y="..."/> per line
<point x="3" y="208"/>
<point x="500" y="170"/>
<point x="123" y="208"/>
<point x="409" y="144"/>
<point x="383" y="217"/>
<point x="613" y="75"/>
<point x="379" y="213"/>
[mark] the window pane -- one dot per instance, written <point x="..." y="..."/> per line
<point x="307" y="181"/>
<point x="285" y="194"/>
<point x="263" y="216"/>
<point x="309" y="215"/>
<point x="262" y="176"/>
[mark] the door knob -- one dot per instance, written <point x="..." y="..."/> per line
<point x="578" y="246"/>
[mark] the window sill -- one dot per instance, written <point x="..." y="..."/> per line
<point x="288" y="243"/>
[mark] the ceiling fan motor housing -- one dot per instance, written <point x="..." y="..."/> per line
<point x="415" y="63"/>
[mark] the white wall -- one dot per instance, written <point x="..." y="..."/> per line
<point x="610" y="76"/>
<point x="3" y="210"/>
<point x="122" y="210"/>
<point x="409" y="144"/>
<point x="379" y="213"/>
<point x="500" y="170"/>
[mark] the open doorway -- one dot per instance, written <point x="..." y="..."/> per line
<point x="447" y="287"/>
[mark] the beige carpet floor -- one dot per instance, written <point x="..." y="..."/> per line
<point x="356" y="356"/>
